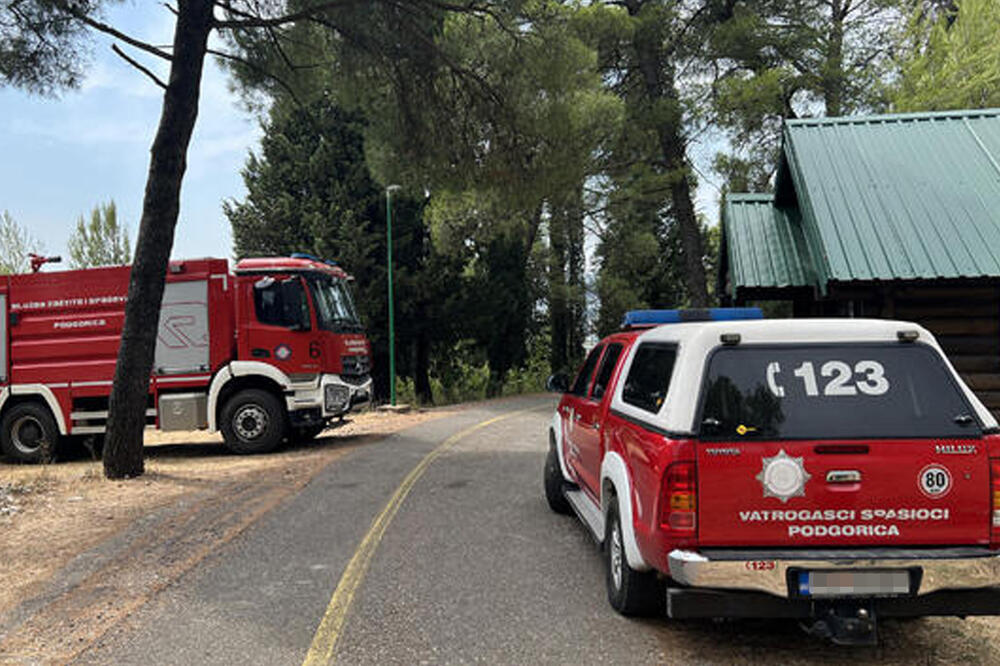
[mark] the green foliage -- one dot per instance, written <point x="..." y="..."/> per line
<point x="777" y="59"/>
<point x="952" y="62"/>
<point x="640" y="269"/>
<point x="650" y="54"/>
<point x="499" y="118"/>
<point x="467" y="383"/>
<point x="502" y="145"/>
<point x="15" y="246"/>
<point x="469" y="380"/>
<point x="42" y="49"/>
<point x="100" y="242"/>
<point x="309" y="190"/>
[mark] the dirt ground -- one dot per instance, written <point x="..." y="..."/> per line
<point x="194" y="496"/>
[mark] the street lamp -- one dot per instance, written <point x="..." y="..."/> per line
<point x="392" y="330"/>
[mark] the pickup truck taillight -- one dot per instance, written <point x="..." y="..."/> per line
<point x="995" y="501"/>
<point x="679" y="498"/>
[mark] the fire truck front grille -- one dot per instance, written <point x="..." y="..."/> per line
<point x="355" y="367"/>
<point x="355" y="380"/>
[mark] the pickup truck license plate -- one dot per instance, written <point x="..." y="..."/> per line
<point x="853" y="583"/>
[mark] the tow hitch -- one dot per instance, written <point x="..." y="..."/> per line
<point x="850" y="623"/>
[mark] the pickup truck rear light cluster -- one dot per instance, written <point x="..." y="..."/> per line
<point x="679" y="498"/>
<point x="995" y="501"/>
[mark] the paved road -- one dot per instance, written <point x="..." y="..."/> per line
<point x="473" y="568"/>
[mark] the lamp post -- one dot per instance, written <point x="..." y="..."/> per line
<point x="392" y="329"/>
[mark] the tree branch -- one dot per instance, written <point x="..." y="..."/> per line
<point x="117" y="34"/>
<point x="134" y="63"/>
<point x="250" y="22"/>
<point x="258" y="70"/>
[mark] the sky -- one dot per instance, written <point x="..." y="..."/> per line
<point x="61" y="157"/>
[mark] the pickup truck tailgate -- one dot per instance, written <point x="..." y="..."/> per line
<point x="823" y="493"/>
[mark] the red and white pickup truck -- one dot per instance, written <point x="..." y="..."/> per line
<point x="830" y="470"/>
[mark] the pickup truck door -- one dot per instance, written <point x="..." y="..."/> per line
<point x="574" y="405"/>
<point x="590" y="416"/>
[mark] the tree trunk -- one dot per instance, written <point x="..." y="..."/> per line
<point x="682" y="206"/>
<point x="421" y="370"/>
<point x="161" y="203"/>
<point x="506" y="261"/>
<point x="558" y="305"/>
<point x="662" y="104"/>
<point x="833" y="74"/>
<point x="575" y="280"/>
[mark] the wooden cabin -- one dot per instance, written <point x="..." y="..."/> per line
<point x="894" y="216"/>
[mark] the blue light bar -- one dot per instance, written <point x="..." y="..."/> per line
<point x="645" y="318"/>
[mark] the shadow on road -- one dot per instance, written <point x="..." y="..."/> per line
<point x="901" y="641"/>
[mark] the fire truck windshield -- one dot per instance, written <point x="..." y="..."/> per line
<point x="335" y="309"/>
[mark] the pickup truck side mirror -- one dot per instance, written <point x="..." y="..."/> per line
<point x="557" y="383"/>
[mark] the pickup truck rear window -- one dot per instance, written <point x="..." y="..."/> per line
<point x="832" y="392"/>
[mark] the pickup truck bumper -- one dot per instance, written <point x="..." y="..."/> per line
<point x="776" y="572"/>
<point x="763" y="584"/>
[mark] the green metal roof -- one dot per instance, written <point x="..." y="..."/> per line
<point x="908" y="196"/>
<point x="765" y="245"/>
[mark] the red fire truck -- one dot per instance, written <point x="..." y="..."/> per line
<point x="271" y="351"/>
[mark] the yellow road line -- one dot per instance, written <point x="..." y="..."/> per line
<point x="324" y="642"/>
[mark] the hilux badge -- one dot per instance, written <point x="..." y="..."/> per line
<point x="783" y="477"/>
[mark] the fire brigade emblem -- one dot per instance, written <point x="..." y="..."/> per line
<point x="783" y="477"/>
<point x="282" y="352"/>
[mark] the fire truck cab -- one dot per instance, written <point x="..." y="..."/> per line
<point x="271" y="351"/>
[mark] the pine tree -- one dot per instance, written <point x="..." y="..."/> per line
<point x="100" y="242"/>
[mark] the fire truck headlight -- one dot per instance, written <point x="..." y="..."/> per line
<point x="336" y="398"/>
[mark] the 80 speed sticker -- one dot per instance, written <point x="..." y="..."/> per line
<point x="934" y="481"/>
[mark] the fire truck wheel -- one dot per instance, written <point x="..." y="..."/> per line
<point x="29" y="433"/>
<point x="554" y="483"/>
<point x="253" y="421"/>
<point x="630" y="592"/>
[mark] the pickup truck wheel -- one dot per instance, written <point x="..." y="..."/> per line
<point x="253" y="421"/>
<point x="630" y="592"/>
<point x="554" y="483"/>
<point x="28" y="433"/>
